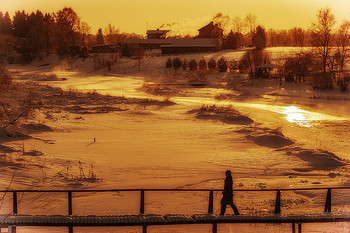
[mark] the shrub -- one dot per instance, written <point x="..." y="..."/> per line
<point x="26" y="58"/>
<point x="177" y="63"/>
<point x="168" y="63"/>
<point x="202" y="64"/>
<point x="232" y="65"/>
<point x="251" y="59"/>
<point x="101" y="62"/>
<point x="344" y="83"/>
<point x="193" y="64"/>
<point x="184" y="64"/>
<point x="212" y="64"/>
<point x="222" y="64"/>
<point x="323" y="81"/>
<point x="298" y="67"/>
<point x="5" y="78"/>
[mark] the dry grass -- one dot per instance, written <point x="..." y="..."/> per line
<point x="161" y="89"/>
<point x="224" y="114"/>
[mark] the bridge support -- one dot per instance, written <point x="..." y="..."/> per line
<point x="12" y="229"/>
<point x="14" y="202"/>
<point x="215" y="227"/>
<point x="211" y="202"/>
<point x="70" y="229"/>
<point x="142" y="202"/>
<point x="144" y="229"/>
<point x="328" y="205"/>
<point x="294" y="228"/>
<point x="70" y="203"/>
<point x="278" y="202"/>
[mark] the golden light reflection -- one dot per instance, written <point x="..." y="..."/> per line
<point x="296" y="115"/>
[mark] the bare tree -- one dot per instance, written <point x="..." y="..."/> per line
<point x="239" y="25"/>
<point x="322" y="35"/>
<point x="223" y="21"/>
<point x="112" y="34"/>
<point x="343" y="43"/>
<point x="298" y="35"/>
<point x="250" y="21"/>
<point x="85" y="30"/>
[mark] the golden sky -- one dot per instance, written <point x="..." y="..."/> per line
<point x="138" y="15"/>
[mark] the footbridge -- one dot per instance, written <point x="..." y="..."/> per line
<point x="144" y="219"/>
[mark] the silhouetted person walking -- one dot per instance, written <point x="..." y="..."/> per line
<point x="227" y="198"/>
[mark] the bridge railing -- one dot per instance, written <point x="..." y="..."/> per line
<point x="144" y="193"/>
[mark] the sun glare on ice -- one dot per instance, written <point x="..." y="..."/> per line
<point x="296" y="115"/>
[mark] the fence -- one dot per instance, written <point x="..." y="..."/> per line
<point x="277" y="218"/>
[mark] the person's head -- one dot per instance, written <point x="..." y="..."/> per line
<point x="228" y="173"/>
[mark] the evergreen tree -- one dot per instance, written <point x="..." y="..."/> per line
<point x="322" y="35"/>
<point x="67" y="29"/>
<point x="49" y="32"/>
<point x="233" y="40"/>
<point x="5" y="24"/>
<point x="20" y="24"/>
<point x="259" y="38"/>
<point x="36" y="34"/>
<point x="99" y="37"/>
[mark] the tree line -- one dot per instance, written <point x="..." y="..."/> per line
<point x="248" y="32"/>
<point x="38" y="33"/>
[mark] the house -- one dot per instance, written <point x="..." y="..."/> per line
<point x="209" y="39"/>
<point x="157" y="34"/>
<point x="210" y="30"/>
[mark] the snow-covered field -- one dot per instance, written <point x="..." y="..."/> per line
<point x="296" y="137"/>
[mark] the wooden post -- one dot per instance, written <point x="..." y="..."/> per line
<point x="328" y="205"/>
<point x="12" y="229"/>
<point x="70" y="229"/>
<point x="299" y="227"/>
<point x="278" y="202"/>
<point x="215" y="227"/>
<point x="14" y="202"/>
<point x="144" y="229"/>
<point x="211" y="202"/>
<point x="70" y="204"/>
<point x="293" y="227"/>
<point x="142" y="202"/>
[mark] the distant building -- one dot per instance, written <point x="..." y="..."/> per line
<point x="210" y="30"/>
<point x="191" y="45"/>
<point x="209" y="39"/>
<point x="147" y="43"/>
<point x="157" y="34"/>
<point x="104" y="48"/>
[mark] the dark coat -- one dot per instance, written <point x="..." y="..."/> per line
<point x="228" y="190"/>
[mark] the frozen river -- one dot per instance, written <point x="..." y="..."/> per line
<point x="166" y="147"/>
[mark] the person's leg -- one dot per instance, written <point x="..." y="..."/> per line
<point x="223" y="208"/>
<point x="235" y="210"/>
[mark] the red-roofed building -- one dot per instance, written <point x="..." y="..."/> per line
<point x="210" y="30"/>
<point x="209" y="39"/>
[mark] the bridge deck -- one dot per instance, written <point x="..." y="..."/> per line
<point x="169" y="219"/>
